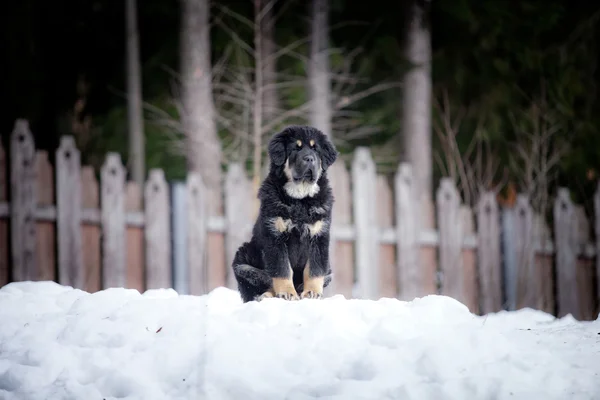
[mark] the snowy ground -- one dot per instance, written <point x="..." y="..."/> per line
<point x="60" y="343"/>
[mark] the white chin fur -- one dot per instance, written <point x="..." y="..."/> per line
<point x="301" y="190"/>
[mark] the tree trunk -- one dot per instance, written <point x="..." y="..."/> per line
<point x="257" y="113"/>
<point x="270" y="97"/>
<point x="137" y="152"/>
<point x="320" y="82"/>
<point x="416" y="118"/>
<point x="204" y="152"/>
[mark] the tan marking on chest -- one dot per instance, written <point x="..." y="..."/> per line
<point x="282" y="225"/>
<point x="316" y="228"/>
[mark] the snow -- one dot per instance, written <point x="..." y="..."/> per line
<point x="60" y="343"/>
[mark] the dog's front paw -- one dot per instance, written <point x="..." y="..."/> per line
<point x="287" y="295"/>
<point x="311" y="294"/>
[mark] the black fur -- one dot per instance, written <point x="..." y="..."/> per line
<point x="267" y="254"/>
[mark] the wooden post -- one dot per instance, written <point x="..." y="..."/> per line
<point x="543" y="259"/>
<point x="509" y="256"/>
<point x="409" y="274"/>
<point x="341" y="252"/>
<point x="197" y="235"/>
<point x="238" y="211"/>
<point x="488" y="253"/>
<point x="23" y="204"/>
<point x="68" y="209"/>
<point x="157" y="231"/>
<point x="565" y="233"/>
<point x="112" y="183"/>
<point x="451" y="238"/>
<point x="527" y="287"/>
<point x="45" y="229"/>
<point x="586" y="284"/>
<point x="4" y="238"/>
<point x="387" y="252"/>
<point x="134" y="234"/>
<point x="91" y="233"/>
<point x="469" y="261"/>
<point x="365" y="223"/>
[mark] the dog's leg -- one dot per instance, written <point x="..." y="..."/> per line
<point x="317" y="269"/>
<point x="253" y="283"/>
<point x="279" y="269"/>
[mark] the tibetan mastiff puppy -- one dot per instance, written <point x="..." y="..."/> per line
<point x="288" y="254"/>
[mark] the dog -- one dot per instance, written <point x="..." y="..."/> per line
<point x="287" y="256"/>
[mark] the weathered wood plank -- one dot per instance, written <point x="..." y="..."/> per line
<point x="238" y="215"/>
<point x="387" y="252"/>
<point x="4" y="238"/>
<point x="365" y="220"/>
<point x="469" y="263"/>
<point x="409" y="272"/>
<point x="134" y="253"/>
<point x="565" y="233"/>
<point x="451" y="234"/>
<point x="91" y="242"/>
<point x="71" y="270"/>
<point x="527" y="285"/>
<point x="543" y="265"/>
<point x="179" y="228"/>
<point x="197" y="244"/>
<point x="112" y="189"/>
<point x="23" y="204"/>
<point x="585" y="274"/>
<point x="341" y="251"/>
<point x="46" y="241"/>
<point x="488" y="253"/>
<point x="157" y="231"/>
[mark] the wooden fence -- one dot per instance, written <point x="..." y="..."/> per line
<point x="64" y="226"/>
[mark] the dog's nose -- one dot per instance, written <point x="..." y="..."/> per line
<point x="309" y="159"/>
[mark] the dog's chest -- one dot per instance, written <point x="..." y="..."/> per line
<point x="306" y="220"/>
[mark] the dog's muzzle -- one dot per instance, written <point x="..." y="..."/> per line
<point x="306" y="168"/>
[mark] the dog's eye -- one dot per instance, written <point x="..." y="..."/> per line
<point x="299" y="143"/>
<point x="312" y="143"/>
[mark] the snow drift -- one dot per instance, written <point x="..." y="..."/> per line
<point x="61" y="343"/>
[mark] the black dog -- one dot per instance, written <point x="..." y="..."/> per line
<point x="289" y="250"/>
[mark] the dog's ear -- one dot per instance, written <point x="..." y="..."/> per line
<point x="277" y="148"/>
<point x="330" y="154"/>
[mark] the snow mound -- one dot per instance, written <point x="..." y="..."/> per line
<point x="60" y="343"/>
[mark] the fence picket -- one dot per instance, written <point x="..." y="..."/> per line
<point x="134" y="237"/>
<point x="365" y="223"/>
<point x="45" y="230"/>
<point x="584" y="267"/>
<point x="469" y="262"/>
<point x="197" y="237"/>
<point x="341" y="252"/>
<point x="488" y="253"/>
<point x="91" y="234"/>
<point x="238" y="215"/>
<point x="451" y="237"/>
<point x="409" y="273"/>
<point x="388" y="286"/>
<point x="565" y="228"/>
<point x="112" y="187"/>
<point x="68" y="209"/>
<point x="157" y="231"/>
<point x="23" y="204"/>
<point x="527" y="286"/>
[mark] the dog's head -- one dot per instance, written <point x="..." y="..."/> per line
<point x="303" y="153"/>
